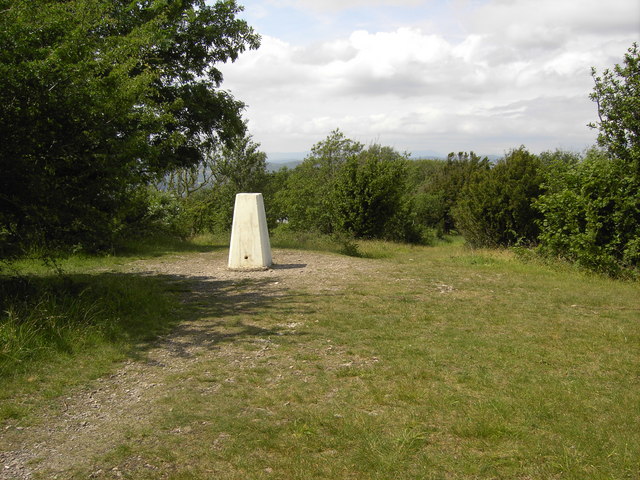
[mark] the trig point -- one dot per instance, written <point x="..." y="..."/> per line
<point x="250" y="248"/>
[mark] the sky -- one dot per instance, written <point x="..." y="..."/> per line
<point x="428" y="76"/>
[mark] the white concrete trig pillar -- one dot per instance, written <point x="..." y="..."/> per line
<point x="250" y="248"/>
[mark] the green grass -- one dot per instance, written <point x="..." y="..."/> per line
<point x="283" y="238"/>
<point x="441" y="363"/>
<point x="345" y="245"/>
<point x="89" y="315"/>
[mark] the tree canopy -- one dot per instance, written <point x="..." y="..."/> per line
<point x="591" y="209"/>
<point x="617" y="95"/>
<point x="307" y="198"/>
<point x="100" y="96"/>
<point x="495" y="207"/>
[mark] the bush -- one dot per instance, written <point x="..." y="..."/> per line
<point x="436" y="187"/>
<point x="495" y="207"/>
<point x="369" y="197"/>
<point x="591" y="215"/>
<point x="591" y="209"/>
<point x="305" y="199"/>
<point x="156" y="213"/>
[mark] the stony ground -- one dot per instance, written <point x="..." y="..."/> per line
<point x="89" y="422"/>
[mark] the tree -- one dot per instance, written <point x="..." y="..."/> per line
<point x="591" y="209"/>
<point x="98" y="97"/>
<point x="617" y="95"/>
<point x="242" y="165"/>
<point x="275" y="184"/>
<point x="207" y="191"/>
<point x="591" y="214"/>
<point x="239" y="163"/>
<point x="441" y="186"/>
<point x="239" y="167"/>
<point x="307" y="199"/>
<point x="495" y="207"/>
<point x="369" y="196"/>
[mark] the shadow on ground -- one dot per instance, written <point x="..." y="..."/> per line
<point x="203" y="313"/>
<point x="162" y="248"/>
<point x="223" y="311"/>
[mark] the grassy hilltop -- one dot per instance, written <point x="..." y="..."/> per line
<point x="410" y="362"/>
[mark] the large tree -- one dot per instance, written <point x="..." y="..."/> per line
<point x="617" y="95"/>
<point x="100" y="96"/>
<point x="591" y="210"/>
<point x="307" y="201"/>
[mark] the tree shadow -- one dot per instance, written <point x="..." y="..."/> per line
<point x="161" y="248"/>
<point x="225" y="311"/>
<point x="204" y="312"/>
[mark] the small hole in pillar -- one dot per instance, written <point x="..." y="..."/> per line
<point x="246" y="257"/>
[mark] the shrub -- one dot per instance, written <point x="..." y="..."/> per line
<point x="592" y="209"/>
<point x="155" y="213"/>
<point x="305" y="200"/>
<point x="591" y="214"/>
<point x="495" y="207"/>
<point x="369" y="197"/>
<point x="437" y="184"/>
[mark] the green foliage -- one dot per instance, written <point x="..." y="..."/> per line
<point x="306" y="202"/>
<point x="559" y="158"/>
<point x="591" y="209"/>
<point x="239" y="167"/>
<point x="617" y="95"/>
<point x="205" y="193"/>
<point x="438" y="184"/>
<point x="273" y="191"/>
<point x="347" y="244"/>
<point x="427" y="199"/>
<point x="368" y="195"/>
<point x="591" y="214"/>
<point x="343" y="188"/>
<point x="495" y="207"/>
<point x="98" y="97"/>
<point x="160" y="213"/>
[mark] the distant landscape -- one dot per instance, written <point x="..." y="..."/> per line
<point x="276" y="161"/>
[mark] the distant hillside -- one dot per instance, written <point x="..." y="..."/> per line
<point x="431" y="155"/>
<point x="275" y="166"/>
<point x="279" y="160"/>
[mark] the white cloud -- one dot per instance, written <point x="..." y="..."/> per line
<point x="337" y="5"/>
<point x="520" y="75"/>
<point x="522" y="17"/>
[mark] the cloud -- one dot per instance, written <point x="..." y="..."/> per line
<point x="338" y="5"/>
<point x="325" y="53"/>
<point x="519" y="75"/>
<point x="528" y="26"/>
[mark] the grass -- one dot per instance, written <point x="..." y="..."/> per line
<point x="50" y="321"/>
<point x="443" y="363"/>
